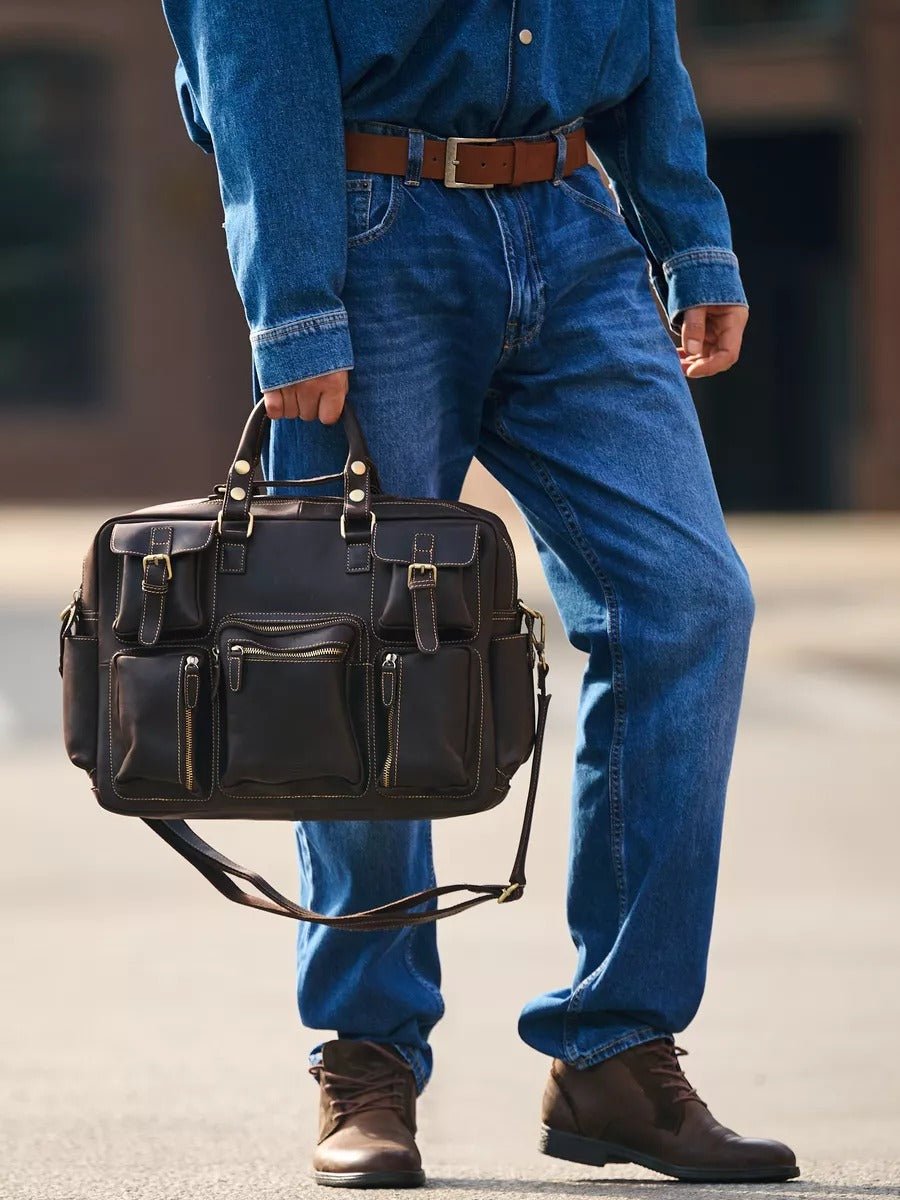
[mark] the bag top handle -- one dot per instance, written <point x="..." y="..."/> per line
<point x="360" y="480"/>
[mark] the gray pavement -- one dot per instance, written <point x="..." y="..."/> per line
<point x="148" y="1038"/>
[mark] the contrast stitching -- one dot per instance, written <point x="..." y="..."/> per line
<point x="474" y="788"/>
<point x="335" y="318"/>
<point x="618" y="671"/>
<point x="141" y="800"/>
<point x="509" y="66"/>
<point x="705" y="254"/>
<point x="537" y="320"/>
<point x="440" y="562"/>
<point x="122" y="525"/>
<point x="643" y="1033"/>
<point x="230" y="792"/>
<point x="390" y="216"/>
<point x="646" y="219"/>
<point x="589" y="202"/>
<point x="178" y="721"/>
<point x="397" y="707"/>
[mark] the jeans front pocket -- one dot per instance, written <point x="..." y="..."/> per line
<point x="161" y="723"/>
<point x="431" y="717"/>
<point x="372" y="205"/>
<point x="586" y="187"/>
<point x="289" y="717"/>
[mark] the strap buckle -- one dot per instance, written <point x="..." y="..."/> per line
<point x="428" y="570"/>
<point x="158" y="558"/>
<point x="343" y="525"/>
<point x="509" y="892"/>
<point x="248" y="532"/>
<point x="451" y="162"/>
<point x="539" y="639"/>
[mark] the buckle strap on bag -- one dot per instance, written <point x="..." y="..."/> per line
<point x="222" y="872"/>
<point x="421" y="580"/>
<point x="157" y="573"/>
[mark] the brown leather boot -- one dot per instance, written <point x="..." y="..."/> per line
<point x="367" y="1118"/>
<point x="638" y="1107"/>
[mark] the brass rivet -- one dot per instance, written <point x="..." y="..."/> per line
<point x="526" y="37"/>
<point x="238" y="494"/>
<point x="242" y="466"/>
<point x="357" y="495"/>
<point x="357" y="467"/>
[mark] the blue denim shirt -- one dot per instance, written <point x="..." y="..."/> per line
<point x="268" y="86"/>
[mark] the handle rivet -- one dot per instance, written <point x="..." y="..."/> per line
<point x="357" y="495"/>
<point x="238" y="494"/>
<point x="357" y="467"/>
<point x="242" y="466"/>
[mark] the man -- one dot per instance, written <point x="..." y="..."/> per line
<point x="512" y="322"/>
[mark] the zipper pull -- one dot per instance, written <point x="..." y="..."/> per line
<point x="191" y="681"/>
<point x="216" y="670"/>
<point x="235" y="666"/>
<point x="388" y="679"/>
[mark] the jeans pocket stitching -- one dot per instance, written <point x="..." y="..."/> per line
<point x="589" y="202"/>
<point x="380" y="228"/>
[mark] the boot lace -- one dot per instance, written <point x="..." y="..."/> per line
<point x="350" y="1094"/>
<point x="672" y="1079"/>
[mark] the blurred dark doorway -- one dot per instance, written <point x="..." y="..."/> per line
<point x="779" y="427"/>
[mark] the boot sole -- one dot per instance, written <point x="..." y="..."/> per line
<point x="370" y="1179"/>
<point x="591" y="1151"/>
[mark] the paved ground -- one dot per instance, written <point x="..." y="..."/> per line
<point x="148" y="1041"/>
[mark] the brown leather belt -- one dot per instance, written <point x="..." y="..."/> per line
<point x="467" y="162"/>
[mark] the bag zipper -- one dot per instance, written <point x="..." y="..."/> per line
<point x="240" y="652"/>
<point x="191" y="690"/>
<point x="390" y="670"/>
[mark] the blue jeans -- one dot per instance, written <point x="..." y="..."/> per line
<point x="517" y="326"/>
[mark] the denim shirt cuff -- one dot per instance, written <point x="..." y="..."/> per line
<point x="302" y="348"/>
<point x="708" y="275"/>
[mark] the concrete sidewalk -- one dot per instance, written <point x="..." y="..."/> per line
<point x="148" y="1036"/>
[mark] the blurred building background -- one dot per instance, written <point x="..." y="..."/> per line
<point x="119" y="322"/>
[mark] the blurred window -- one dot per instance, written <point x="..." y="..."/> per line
<point x="731" y="14"/>
<point x="52" y="103"/>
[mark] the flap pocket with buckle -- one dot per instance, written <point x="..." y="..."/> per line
<point x="426" y="583"/>
<point x="163" y="578"/>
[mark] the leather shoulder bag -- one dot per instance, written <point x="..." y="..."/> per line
<point x="271" y="657"/>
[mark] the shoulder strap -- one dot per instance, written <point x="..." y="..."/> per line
<point x="222" y="872"/>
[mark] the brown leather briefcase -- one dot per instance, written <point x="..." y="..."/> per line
<point x="275" y="657"/>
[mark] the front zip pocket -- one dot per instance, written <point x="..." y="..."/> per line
<point x="161" y="719"/>
<point x="431" y="719"/>
<point x="289" y="720"/>
<point x="241" y="652"/>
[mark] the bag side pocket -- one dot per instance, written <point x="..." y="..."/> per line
<point x="512" y="692"/>
<point x="80" y="699"/>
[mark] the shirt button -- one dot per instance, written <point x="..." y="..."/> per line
<point x="526" y="37"/>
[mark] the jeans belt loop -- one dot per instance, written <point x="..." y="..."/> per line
<point x="561" y="146"/>
<point x="415" y="154"/>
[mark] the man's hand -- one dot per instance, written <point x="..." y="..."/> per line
<point x="322" y="397"/>
<point x="711" y="339"/>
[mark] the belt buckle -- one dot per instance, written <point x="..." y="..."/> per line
<point x="451" y="162"/>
